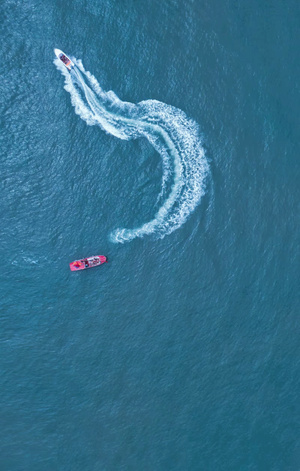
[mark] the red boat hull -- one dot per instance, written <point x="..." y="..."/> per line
<point x="89" y="262"/>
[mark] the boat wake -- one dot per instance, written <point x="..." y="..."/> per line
<point x="174" y="136"/>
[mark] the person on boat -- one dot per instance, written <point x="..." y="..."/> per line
<point x="86" y="263"/>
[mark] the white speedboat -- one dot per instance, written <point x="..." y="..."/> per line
<point x="64" y="58"/>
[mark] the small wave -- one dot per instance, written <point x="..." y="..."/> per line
<point x="174" y="136"/>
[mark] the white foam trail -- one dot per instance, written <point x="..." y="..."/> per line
<point x="167" y="128"/>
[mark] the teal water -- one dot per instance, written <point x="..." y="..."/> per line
<point x="180" y="163"/>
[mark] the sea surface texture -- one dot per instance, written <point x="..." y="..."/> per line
<point x="173" y="149"/>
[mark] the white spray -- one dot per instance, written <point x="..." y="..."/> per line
<point x="174" y="136"/>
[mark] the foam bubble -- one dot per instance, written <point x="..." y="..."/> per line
<point x="168" y="129"/>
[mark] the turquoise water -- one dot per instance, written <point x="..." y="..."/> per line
<point x="172" y="149"/>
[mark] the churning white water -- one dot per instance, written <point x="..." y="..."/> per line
<point x="174" y="136"/>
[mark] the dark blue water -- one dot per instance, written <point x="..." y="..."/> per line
<point x="173" y="149"/>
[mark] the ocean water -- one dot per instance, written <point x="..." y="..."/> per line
<point x="173" y="149"/>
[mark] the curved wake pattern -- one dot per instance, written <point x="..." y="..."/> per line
<point x="167" y="128"/>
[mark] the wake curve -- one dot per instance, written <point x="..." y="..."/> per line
<point x="174" y="136"/>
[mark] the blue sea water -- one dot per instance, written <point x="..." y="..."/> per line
<point x="172" y="148"/>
